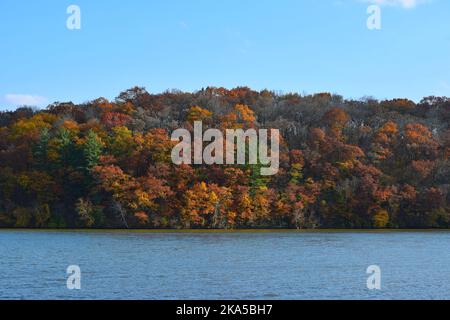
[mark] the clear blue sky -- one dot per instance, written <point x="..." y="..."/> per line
<point x="303" y="46"/>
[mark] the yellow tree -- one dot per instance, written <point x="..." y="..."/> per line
<point x="208" y="205"/>
<point x="240" y="118"/>
<point x="196" y="113"/>
<point x="200" y="204"/>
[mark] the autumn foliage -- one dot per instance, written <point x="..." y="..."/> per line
<point x="343" y="163"/>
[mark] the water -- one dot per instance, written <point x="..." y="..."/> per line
<point x="275" y="265"/>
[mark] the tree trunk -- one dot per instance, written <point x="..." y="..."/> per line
<point x="118" y="207"/>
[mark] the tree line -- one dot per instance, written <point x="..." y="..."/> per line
<point x="343" y="163"/>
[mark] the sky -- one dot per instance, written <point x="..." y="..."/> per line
<point x="304" y="46"/>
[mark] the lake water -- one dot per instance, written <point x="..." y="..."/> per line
<point x="260" y="265"/>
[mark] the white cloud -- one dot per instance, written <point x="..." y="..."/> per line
<point x="25" y="100"/>
<point x="407" y="4"/>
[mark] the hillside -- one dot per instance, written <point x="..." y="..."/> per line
<point x="343" y="163"/>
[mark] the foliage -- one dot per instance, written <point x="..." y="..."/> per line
<point x="343" y="163"/>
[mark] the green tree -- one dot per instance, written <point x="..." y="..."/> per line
<point x="40" y="150"/>
<point x="92" y="149"/>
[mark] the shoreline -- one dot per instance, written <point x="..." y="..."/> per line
<point x="225" y="231"/>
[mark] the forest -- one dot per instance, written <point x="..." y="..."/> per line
<point x="343" y="163"/>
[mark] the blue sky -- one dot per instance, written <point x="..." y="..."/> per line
<point x="303" y="46"/>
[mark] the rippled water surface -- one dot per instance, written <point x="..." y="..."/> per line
<point x="272" y="265"/>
